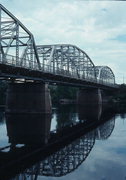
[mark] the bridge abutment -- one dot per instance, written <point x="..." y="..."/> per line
<point x="89" y="96"/>
<point x="28" y="98"/>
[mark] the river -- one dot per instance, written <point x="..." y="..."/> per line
<point x="97" y="153"/>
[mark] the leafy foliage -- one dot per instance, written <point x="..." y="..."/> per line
<point x="62" y="92"/>
<point x="121" y="95"/>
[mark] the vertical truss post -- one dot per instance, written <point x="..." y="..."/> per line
<point x="42" y="56"/>
<point x="68" y="62"/>
<point x="78" y="62"/>
<point x="61" y="66"/>
<point x="51" y="59"/>
<point x="83" y="68"/>
<point x="17" y="43"/>
<point x="54" y="63"/>
<point x="31" y="54"/>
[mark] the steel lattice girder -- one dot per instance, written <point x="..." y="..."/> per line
<point x="104" y="131"/>
<point x="66" y="59"/>
<point x="16" y="42"/>
<point x="67" y="159"/>
<point x="105" y="74"/>
<point x="18" y="48"/>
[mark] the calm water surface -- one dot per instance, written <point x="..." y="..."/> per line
<point x="100" y="154"/>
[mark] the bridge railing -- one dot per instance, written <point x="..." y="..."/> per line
<point x="107" y="83"/>
<point x="27" y="64"/>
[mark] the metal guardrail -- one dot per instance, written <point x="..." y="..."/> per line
<point x="27" y="64"/>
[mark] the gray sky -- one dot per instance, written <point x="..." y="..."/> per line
<point x="97" y="27"/>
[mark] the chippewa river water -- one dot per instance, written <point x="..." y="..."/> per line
<point x="98" y="153"/>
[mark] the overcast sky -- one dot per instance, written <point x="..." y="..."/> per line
<point x="97" y="27"/>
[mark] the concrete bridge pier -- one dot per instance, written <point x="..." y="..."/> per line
<point x="28" y="97"/>
<point x="89" y="96"/>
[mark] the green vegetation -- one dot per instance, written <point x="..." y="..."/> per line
<point x="57" y="92"/>
<point x="65" y="92"/>
<point x="62" y="92"/>
<point x="121" y="94"/>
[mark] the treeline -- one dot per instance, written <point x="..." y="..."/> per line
<point x="120" y="96"/>
<point x="62" y="92"/>
<point x="65" y="92"/>
<point x="57" y="92"/>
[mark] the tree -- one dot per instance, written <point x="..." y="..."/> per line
<point x="62" y="92"/>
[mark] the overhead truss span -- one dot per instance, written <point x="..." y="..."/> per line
<point x="105" y="75"/>
<point x="17" y="44"/>
<point x="67" y="60"/>
<point x="20" y="57"/>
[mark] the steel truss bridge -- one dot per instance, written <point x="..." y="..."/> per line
<point x="21" y="58"/>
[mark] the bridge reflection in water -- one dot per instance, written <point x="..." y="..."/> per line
<point x="65" y="160"/>
<point x="28" y="128"/>
<point x="68" y="146"/>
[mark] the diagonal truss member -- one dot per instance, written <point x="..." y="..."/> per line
<point x="16" y="42"/>
<point x="18" y="48"/>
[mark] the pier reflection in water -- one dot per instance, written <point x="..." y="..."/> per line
<point x="28" y="129"/>
<point x="72" y="139"/>
<point x="70" y="157"/>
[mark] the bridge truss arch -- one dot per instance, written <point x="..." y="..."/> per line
<point x="105" y="75"/>
<point x="17" y="44"/>
<point x="70" y="63"/>
<point x="18" y="48"/>
<point x="104" y="131"/>
<point x="65" y="160"/>
<point x="67" y="60"/>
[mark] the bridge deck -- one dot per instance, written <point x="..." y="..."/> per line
<point x="11" y="72"/>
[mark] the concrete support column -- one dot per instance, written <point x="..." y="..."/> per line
<point x="28" y="98"/>
<point x="89" y="96"/>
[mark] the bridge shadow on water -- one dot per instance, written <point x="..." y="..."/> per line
<point x="69" y="144"/>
